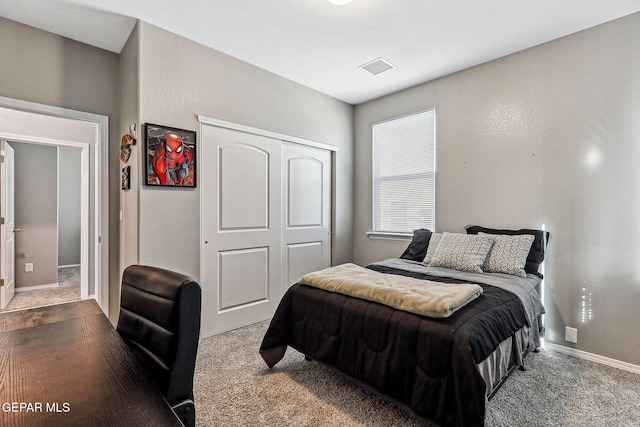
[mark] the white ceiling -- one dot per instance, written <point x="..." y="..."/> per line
<point x="321" y="45"/>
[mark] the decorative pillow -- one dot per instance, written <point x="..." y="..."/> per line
<point x="417" y="249"/>
<point x="463" y="252"/>
<point x="431" y="249"/>
<point x="508" y="254"/>
<point x="538" y="248"/>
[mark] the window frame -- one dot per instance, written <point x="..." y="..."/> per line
<point x="429" y="143"/>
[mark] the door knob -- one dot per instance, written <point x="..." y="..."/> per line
<point x="16" y="230"/>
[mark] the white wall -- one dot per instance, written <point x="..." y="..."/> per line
<point x="548" y="135"/>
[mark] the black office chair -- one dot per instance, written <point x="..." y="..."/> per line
<point x="160" y="322"/>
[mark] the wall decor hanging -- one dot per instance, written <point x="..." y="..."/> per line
<point x="125" y="174"/>
<point x="170" y="156"/>
<point x="125" y="147"/>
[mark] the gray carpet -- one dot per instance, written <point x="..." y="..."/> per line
<point x="68" y="289"/>
<point x="234" y="387"/>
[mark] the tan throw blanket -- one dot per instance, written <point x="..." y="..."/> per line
<point x="424" y="297"/>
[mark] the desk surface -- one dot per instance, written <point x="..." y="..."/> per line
<point x="66" y="365"/>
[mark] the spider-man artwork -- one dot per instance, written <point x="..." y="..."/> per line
<point x="170" y="156"/>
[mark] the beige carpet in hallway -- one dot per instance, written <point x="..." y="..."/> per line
<point x="68" y="289"/>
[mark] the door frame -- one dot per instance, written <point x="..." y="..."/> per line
<point x="262" y="132"/>
<point x="99" y="172"/>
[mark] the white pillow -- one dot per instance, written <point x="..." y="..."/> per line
<point x="463" y="252"/>
<point x="508" y="254"/>
<point x="431" y="249"/>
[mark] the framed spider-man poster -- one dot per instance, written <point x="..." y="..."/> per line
<point x="170" y="156"/>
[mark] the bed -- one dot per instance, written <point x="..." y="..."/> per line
<point x="441" y="368"/>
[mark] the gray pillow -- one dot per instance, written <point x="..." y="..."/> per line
<point x="431" y="249"/>
<point x="508" y="254"/>
<point x="463" y="252"/>
<point x="538" y="249"/>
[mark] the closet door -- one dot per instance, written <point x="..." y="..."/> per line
<point x="306" y="210"/>
<point x="241" y="228"/>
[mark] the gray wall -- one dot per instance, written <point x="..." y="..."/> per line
<point x="69" y="195"/>
<point x="41" y="67"/>
<point x="48" y="219"/>
<point x="547" y="136"/>
<point x="203" y="81"/>
<point x="129" y="109"/>
<point x="36" y="214"/>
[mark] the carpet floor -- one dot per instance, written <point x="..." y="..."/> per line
<point x="68" y="289"/>
<point x="234" y="387"/>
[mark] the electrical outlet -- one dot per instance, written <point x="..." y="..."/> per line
<point x="28" y="267"/>
<point x="570" y="334"/>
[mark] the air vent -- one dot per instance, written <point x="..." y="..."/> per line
<point x="378" y="66"/>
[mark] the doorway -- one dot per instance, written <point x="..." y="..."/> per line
<point x="23" y="121"/>
<point x="48" y="225"/>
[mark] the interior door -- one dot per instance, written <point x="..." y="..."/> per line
<point x="307" y="210"/>
<point x="241" y="228"/>
<point x="7" y="230"/>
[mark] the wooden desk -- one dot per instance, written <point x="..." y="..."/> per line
<point x="66" y="365"/>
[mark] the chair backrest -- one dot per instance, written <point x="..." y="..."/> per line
<point x="160" y="321"/>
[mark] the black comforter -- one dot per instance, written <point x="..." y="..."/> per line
<point x="427" y="364"/>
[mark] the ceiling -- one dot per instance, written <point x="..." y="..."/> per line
<point x="321" y="45"/>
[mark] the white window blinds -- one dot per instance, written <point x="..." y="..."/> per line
<point x="404" y="173"/>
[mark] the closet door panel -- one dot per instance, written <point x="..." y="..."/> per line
<point x="241" y="271"/>
<point x="307" y="207"/>
<point x="244" y="187"/>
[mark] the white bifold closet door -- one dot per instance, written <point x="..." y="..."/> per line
<point x="266" y="221"/>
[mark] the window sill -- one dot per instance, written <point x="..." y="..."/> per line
<point x="383" y="235"/>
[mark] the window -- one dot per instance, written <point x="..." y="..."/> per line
<point x="404" y="174"/>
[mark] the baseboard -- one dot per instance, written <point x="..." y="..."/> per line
<point x="35" y="288"/>
<point x="69" y="266"/>
<point x="594" y="357"/>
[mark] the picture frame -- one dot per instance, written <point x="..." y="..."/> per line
<point x="170" y="156"/>
<point x="126" y="173"/>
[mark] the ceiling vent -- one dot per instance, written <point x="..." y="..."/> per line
<point x="378" y="66"/>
